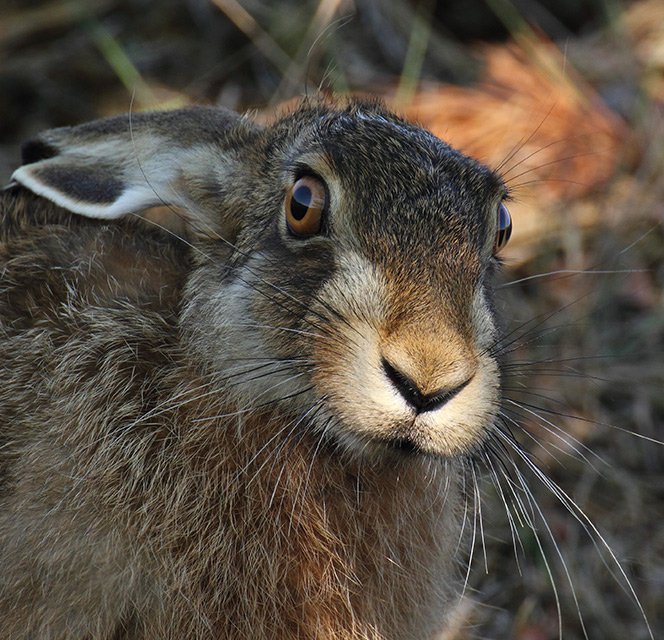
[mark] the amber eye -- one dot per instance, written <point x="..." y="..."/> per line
<point x="304" y="205"/>
<point x="504" y="230"/>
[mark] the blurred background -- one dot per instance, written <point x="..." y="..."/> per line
<point x="566" y="100"/>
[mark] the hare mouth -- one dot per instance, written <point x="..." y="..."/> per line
<point x="407" y="440"/>
<point x="405" y="445"/>
<point x="392" y="449"/>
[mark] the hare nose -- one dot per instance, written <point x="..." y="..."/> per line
<point x="410" y="392"/>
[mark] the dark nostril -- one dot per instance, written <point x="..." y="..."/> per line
<point x="403" y="384"/>
<point x="421" y="402"/>
<point x="436" y="400"/>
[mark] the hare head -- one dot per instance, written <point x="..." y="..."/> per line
<point x="343" y="261"/>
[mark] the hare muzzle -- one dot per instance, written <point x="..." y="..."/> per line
<point x="419" y="386"/>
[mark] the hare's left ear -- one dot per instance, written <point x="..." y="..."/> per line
<point x="126" y="164"/>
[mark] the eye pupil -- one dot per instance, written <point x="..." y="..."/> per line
<point x="301" y="202"/>
<point x="504" y="228"/>
<point x="306" y="200"/>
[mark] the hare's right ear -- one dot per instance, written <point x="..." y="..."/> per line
<point x="125" y="164"/>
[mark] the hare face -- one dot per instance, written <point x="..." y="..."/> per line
<point x="343" y="261"/>
<point x="409" y="364"/>
<point x="377" y="325"/>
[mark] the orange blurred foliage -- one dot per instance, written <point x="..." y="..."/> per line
<point x="531" y="118"/>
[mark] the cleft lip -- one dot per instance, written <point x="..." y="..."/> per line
<point x="408" y="389"/>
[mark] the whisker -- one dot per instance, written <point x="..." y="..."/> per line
<point x="557" y="432"/>
<point x="304" y="483"/>
<point x="478" y="506"/>
<point x="472" y="541"/>
<point x="277" y="436"/>
<point x="582" y="518"/>
<point x="568" y="272"/>
<point x="561" y="160"/>
<point x="523" y="142"/>
<point x="635" y="434"/>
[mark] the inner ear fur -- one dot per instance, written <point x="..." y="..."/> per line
<point x="132" y="163"/>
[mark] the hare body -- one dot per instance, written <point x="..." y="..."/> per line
<point x="215" y="437"/>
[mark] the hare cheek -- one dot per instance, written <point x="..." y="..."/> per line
<point x="483" y="321"/>
<point x="347" y="369"/>
<point x="239" y="346"/>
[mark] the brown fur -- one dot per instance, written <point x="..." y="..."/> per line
<point x="148" y="490"/>
<point x="183" y="524"/>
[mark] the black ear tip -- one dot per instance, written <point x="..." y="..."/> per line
<point x="35" y="150"/>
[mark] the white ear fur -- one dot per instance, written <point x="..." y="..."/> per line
<point x="110" y="168"/>
<point x="133" y="198"/>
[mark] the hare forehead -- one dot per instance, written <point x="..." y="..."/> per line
<point x="410" y="184"/>
<point x="377" y="145"/>
<point x="399" y="128"/>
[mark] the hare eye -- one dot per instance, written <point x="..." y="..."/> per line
<point x="504" y="230"/>
<point x="304" y="206"/>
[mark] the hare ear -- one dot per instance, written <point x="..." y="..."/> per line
<point x="113" y="167"/>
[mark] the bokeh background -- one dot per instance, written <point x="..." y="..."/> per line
<point x="566" y="99"/>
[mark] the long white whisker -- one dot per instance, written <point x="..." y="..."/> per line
<point x="473" y="536"/>
<point x="568" y="272"/>
<point x="582" y="518"/>
<point x="557" y="432"/>
<point x="478" y="506"/>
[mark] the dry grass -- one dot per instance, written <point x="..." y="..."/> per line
<point x="587" y="367"/>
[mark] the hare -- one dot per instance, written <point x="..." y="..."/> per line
<point x="259" y="427"/>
